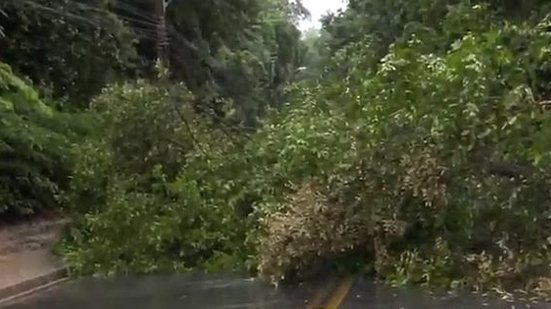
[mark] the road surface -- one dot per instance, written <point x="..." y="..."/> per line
<point x="207" y="291"/>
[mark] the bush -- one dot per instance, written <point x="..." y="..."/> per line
<point x="35" y="143"/>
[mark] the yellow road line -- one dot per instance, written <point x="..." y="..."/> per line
<point x="319" y="297"/>
<point x="340" y="293"/>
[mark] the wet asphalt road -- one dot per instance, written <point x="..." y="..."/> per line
<point x="201" y="292"/>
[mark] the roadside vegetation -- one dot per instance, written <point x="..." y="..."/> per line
<point x="414" y="147"/>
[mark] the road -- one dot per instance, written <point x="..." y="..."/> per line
<point x="202" y="291"/>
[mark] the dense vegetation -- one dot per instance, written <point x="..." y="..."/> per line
<point x="35" y="148"/>
<point x="414" y="147"/>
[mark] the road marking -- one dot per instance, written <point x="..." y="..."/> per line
<point x="340" y="293"/>
<point x="319" y="297"/>
<point x="21" y="296"/>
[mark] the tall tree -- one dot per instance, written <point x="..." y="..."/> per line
<point x="235" y="54"/>
<point x="68" y="47"/>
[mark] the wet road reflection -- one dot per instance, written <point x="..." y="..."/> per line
<point x="223" y="291"/>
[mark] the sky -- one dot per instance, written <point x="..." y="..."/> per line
<point x="319" y="8"/>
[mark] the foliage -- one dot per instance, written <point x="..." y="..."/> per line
<point x="35" y="141"/>
<point x="157" y="143"/>
<point x="439" y="147"/>
<point x="244" y="51"/>
<point x="81" y="46"/>
<point x="148" y="173"/>
<point x="309" y="230"/>
<point x="380" y="23"/>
